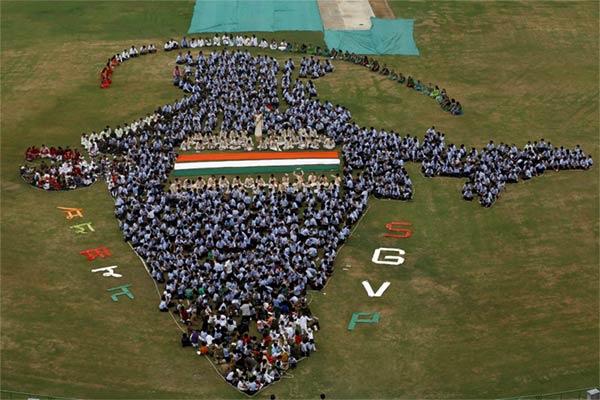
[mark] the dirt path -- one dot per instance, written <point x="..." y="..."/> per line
<point x="382" y="9"/>
<point x="346" y="14"/>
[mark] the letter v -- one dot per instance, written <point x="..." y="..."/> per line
<point x="379" y="292"/>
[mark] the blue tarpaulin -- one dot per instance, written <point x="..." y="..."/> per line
<point x="255" y="16"/>
<point x="386" y="36"/>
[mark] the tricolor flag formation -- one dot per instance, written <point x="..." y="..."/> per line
<point x="254" y="163"/>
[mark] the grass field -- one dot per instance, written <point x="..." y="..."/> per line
<point x="490" y="302"/>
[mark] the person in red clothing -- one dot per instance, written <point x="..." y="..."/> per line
<point x="45" y="152"/>
<point x="267" y="340"/>
<point x="35" y="152"/>
<point x="105" y="80"/>
<point x="68" y="154"/>
<point x="32" y="153"/>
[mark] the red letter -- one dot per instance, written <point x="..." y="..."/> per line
<point x="406" y="232"/>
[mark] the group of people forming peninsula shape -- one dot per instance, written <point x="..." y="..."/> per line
<point x="234" y="253"/>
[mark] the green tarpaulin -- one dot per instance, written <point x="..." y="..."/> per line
<point x="255" y="16"/>
<point x="386" y="36"/>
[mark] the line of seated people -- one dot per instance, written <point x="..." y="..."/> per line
<point x="117" y="59"/>
<point x="440" y="96"/>
<point x="301" y="180"/>
<point x="281" y="140"/>
<point x="227" y="41"/>
<point x="231" y="40"/>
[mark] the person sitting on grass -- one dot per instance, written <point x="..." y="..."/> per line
<point x="133" y="52"/>
<point x="427" y="91"/>
<point x="384" y="70"/>
<point x="435" y="92"/>
<point x="401" y="78"/>
<point x="151" y="49"/>
<point x="410" y="82"/>
<point x="446" y="104"/>
<point x="418" y="86"/>
<point x="105" y="80"/>
<point x="114" y="61"/>
<point x="176" y="76"/>
<point x="441" y="97"/>
<point x="374" y="65"/>
<point x="457" y="109"/>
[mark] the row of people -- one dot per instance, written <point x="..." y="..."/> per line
<point x="281" y="185"/>
<point x="108" y="70"/>
<point x="433" y="91"/>
<point x="54" y="153"/>
<point x="284" y="139"/>
<point x="226" y="41"/>
<point x="230" y="40"/>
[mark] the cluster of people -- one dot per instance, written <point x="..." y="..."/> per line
<point x="289" y="139"/>
<point x="313" y="68"/>
<point x="284" y="139"/>
<point x="281" y="185"/>
<point x="226" y="40"/>
<point x="489" y="169"/>
<point x="108" y="70"/>
<point x="230" y="40"/>
<point x="238" y="250"/>
<point x="60" y="169"/>
<point x="433" y="91"/>
<point x="235" y="253"/>
<point x="251" y="88"/>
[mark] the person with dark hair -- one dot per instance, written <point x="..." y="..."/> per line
<point x="185" y="340"/>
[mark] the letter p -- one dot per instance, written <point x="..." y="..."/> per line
<point x="356" y="318"/>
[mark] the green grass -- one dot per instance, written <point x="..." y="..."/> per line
<point x="489" y="303"/>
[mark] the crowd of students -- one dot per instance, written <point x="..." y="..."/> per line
<point x="227" y="40"/>
<point x="238" y="252"/>
<point x="283" y="139"/>
<point x="238" y="256"/>
<point x="116" y="60"/>
<point x="60" y="169"/>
